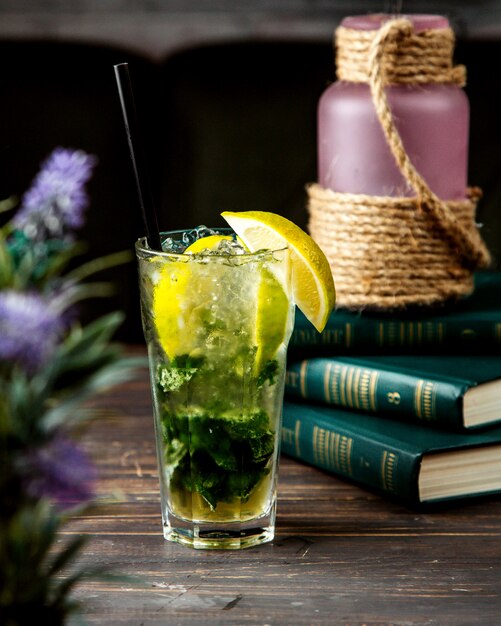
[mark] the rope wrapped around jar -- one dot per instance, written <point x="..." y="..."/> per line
<point x="392" y="252"/>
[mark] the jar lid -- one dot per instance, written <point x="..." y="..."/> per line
<point x="376" y="20"/>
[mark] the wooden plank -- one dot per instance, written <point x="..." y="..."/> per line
<point x="342" y="555"/>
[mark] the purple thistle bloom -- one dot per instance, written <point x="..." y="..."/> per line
<point x="60" y="471"/>
<point x="29" y="329"/>
<point x="57" y="198"/>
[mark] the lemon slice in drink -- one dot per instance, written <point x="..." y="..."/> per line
<point x="172" y="305"/>
<point x="312" y="282"/>
<point x="211" y="242"/>
<point x="271" y="317"/>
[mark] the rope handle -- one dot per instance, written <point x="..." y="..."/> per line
<point x="468" y="242"/>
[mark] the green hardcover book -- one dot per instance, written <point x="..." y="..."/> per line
<point x="473" y="324"/>
<point x="420" y="465"/>
<point x="448" y="392"/>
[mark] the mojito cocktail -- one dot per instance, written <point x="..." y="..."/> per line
<point x="217" y="320"/>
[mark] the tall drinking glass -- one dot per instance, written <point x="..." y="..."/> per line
<point x="217" y="327"/>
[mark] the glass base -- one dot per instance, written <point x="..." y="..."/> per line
<point x="220" y="539"/>
<point x="220" y="535"/>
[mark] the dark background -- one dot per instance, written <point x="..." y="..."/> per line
<point x="227" y="101"/>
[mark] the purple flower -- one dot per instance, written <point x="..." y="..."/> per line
<point x="57" y="198"/>
<point x="30" y="328"/>
<point x="60" y="471"/>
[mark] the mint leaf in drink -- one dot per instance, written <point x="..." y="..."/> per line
<point x="172" y="379"/>
<point x="187" y="361"/>
<point x="221" y="456"/>
<point x="245" y="427"/>
<point x="174" y="451"/>
<point x="241" y="485"/>
<point x="199" y="477"/>
<point x="208" y="436"/>
<point x="262" y="447"/>
<point x="181" y="370"/>
<point x="268" y="373"/>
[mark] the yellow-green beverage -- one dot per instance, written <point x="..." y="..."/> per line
<point x="217" y="322"/>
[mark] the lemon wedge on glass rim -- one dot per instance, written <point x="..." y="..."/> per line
<point x="312" y="283"/>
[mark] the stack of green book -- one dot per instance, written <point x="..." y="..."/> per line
<point x="409" y="405"/>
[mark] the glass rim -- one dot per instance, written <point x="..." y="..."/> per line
<point x="142" y="247"/>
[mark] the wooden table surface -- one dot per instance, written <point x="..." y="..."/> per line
<point x="342" y="555"/>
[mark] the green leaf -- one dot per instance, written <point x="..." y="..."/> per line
<point x="64" y="412"/>
<point x="98" y="265"/>
<point x="85" y="348"/>
<point x="61" y="591"/>
<point x="101" y="330"/>
<point x="268" y="373"/>
<point x="6" y="265"/>
<point x="85" y="291"/>
<point x="25" y="404"/>
<point x="37" y="263"/>
<point x="57" y="262"/>
<point x="8" y="204"/>
<point x="66" y="555"/>
<point x="173" y="378"/>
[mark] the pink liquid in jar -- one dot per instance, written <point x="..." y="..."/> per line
<point x="433" y="122"/>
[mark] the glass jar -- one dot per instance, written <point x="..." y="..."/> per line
<point x="432" y="120"/>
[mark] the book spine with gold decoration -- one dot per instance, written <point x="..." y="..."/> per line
<point x="396" y="393"/>
<point x="472" y="324"/>
<point x="352" y="333"/>
<point x="337" y="446"/>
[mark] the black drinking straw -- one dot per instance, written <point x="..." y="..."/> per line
<point x="137" y="156"/>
